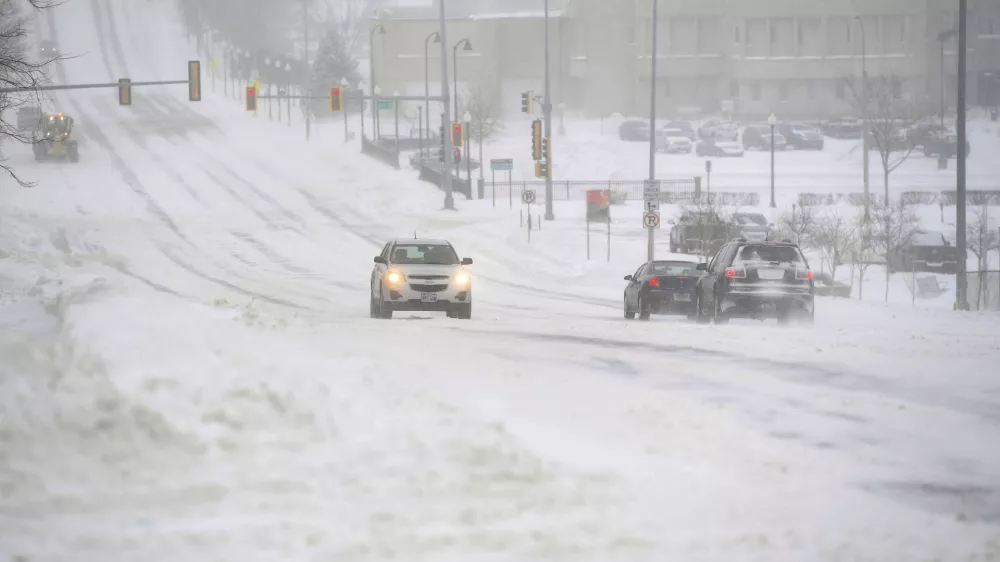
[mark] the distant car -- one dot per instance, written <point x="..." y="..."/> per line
<point x="661" y="287"/>
<point x="801" y="137"/>
<point x="48" y="50"/>
<point x="842" y="128"/>
<point x="718" y="130"/>
<point x="673" y="141"/>
<point x="721" y="149"/>
<point x="928" y="252"/>
<point x="682" y="128"/>
<point x="759" y="137"/>
<point x="697" y="232"/>
<point x="634" y="130"/>
<point x="755" y="280"/>
<point x="944" y="143"/>
<point x="420" y="275"/>
<point x="752" y="226"/>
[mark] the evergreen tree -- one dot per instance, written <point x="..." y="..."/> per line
<point x="333" y="64"/>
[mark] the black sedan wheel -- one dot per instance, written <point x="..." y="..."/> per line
<point x="644" y="311"/>
<point x="629" y="313"/>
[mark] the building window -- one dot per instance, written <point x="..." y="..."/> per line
<point x="736" y="34"/>
<point x="756" y="92"/>
<point x="811" y="91"/>
<point x="841" y="93"/>
<point x="897" y="89"/>
<point x="774" y="34"/>
<point x="799" y="36"/>
<point x="665" y="87"/>
<point x="749" y="36"/>
<point x="734" y="89"/>
<point x="783" y="91"/>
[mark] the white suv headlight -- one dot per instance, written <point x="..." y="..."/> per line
<point x="461" y="279"/>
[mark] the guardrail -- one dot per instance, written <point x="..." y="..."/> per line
<point x="431" y="173"/>
<point x="383" y="154"/>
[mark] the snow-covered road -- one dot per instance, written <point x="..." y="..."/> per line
<point x="188" y="370"/>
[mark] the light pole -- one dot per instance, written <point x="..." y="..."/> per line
<point x="378" y="28"/>
<point x="435" y="37"/>
<point x="454" y="58"/>
<point x="343" y="98"/>
<point x="376" y="123"/>
<point x="772" y="121"/>
<point x="864" y="118"/>
<point x="467" y="118"/>
<point x="942" y="37"/>
<point x="961" y="285"/>
<point x="547" y="111"/>
<point x="270" y="106"/>
<point x="449" y="199"/>
<point x="650" y="236"/>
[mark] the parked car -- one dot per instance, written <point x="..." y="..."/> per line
<point x="673" y="141"/>
<point x="928" y="252"/>
<point x="719" y="130"/>
<point x="944" y="143"/>
<point x="801" y="137"/>
<point x="721" y="149"/>
<point x="752" y="226"/>
<point x="661" y="287"/>
<point x="700" y="232"/>
<point x="842" y="128"/>
<point x="920" y="133"/>
<point x="755" y="280"/>
<point x="759" y="137"/>
<point x="634" y="130"/>
<point x="684" y="128"/>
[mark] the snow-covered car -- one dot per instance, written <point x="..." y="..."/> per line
<point x="673" y="141"/>
<point x="759" y="137"/>
<point x="752" y="226"/>
<point x="721" y="149"/>
<point x="719" y="131"/>
<point x="801" y="137"/>
<point x="682" y="128"/>
<point x="420" y="275"/>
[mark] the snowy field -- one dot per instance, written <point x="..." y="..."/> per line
<point x="188" y="370"/>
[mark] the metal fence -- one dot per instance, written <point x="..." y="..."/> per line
<point x="946" y="198"/>
<point x="621" y="190"/>
<point x="984" y="290"/>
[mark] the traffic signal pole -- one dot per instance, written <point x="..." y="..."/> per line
<point x="650" y="232"/>
<point x="547" y="109"/>
<point x="961" y="285"/>
<point x="449" y="198"/>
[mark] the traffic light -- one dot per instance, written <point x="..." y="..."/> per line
<point x="336" y="102"/>
<point x="124" y="91"/>
<point x="545" y="149"/>
<point x="251" y="98"/>
<point x="458" y="155"/>
<point x="194" y="80"/>
<point x="526" y="102"/>
<point x="541" y="169"/>
<point x="458" y="134"/>
<point x="536" y="139"/>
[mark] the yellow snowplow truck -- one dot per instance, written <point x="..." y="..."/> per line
<point x="51" y="138"/>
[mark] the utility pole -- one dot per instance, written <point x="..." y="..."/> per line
<point x="962" y="286"/>
<point x="449" y="199"/>
<point x="650" y="232"/>
<point x="547" y="110"/>
<point x="305" y="58"/>
<point x="864" y="121"/>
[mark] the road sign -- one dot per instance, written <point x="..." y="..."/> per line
<point x="502" y="165"/>
<point x="528" y="196"/>
<point x="652" y="205"/>
<point x="651" y="190"/>
<point x="651" y="219"/>
<point x="384" y="104"/>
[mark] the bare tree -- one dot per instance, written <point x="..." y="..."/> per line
<point x="18" y="71"/>
<point x="895" y="225"/>
<point x="889" y="115"/>
<point x="348" y="17"/>
<point x="487" y="123"/>
<point x="706" y="226"/>
<point x="981" y="239"/>
<point x="834" y="236"/>
<point x="861" y="253"/>
<point x="800" y="223"/>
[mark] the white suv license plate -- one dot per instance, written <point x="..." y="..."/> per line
<point x="428" y="297"/>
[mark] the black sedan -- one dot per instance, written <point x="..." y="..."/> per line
<point x="661" y="287"/>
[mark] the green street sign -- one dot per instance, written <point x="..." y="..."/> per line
<point x="503" y="165"/>
<point x="384" y="104"/>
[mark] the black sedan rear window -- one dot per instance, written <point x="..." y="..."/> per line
<point x="674" y="269"/>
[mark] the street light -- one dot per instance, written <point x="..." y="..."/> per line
<point x="380" y="29"/>
<point x="467" y="118"/>
<point x="864" y="117"/>
<point x="436" y="38"/>
<point x="942" y="37"/>
<point x="454" y="58"/>
<point x="772" y="121"/>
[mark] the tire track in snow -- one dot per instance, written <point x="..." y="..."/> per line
<point x="132" y="181"/>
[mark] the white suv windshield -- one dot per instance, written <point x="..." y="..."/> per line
<point x="424" y="254"/>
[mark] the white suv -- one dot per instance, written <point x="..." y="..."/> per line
<point x="418" y="275"/>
